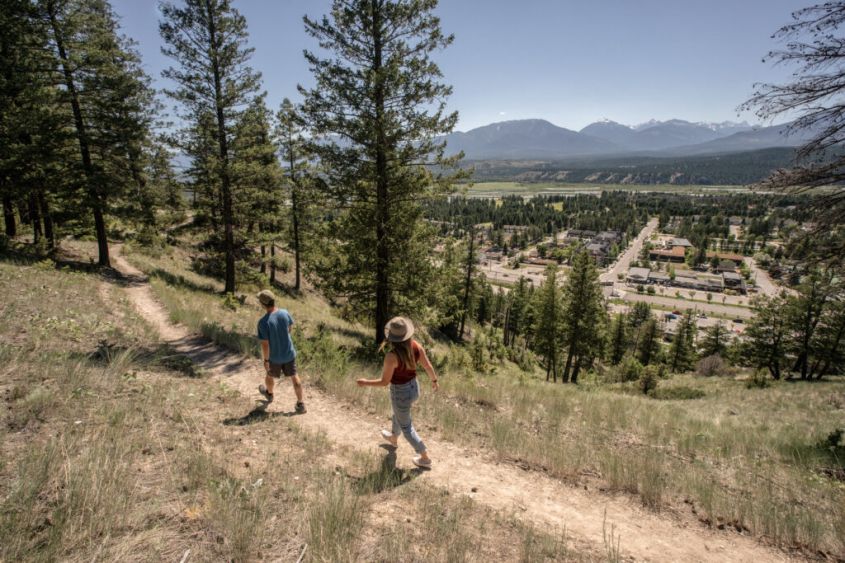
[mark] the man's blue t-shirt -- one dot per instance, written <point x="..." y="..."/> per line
<point x="274" y="327"/>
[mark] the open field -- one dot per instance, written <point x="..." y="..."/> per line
<point x="500" y="189"/>
<point x="746" y="459"/>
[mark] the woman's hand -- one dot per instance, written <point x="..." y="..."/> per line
<point x="361" y="382"/>
<point x="434" y="385"/>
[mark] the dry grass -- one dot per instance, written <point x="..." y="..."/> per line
<point x="737" y="458"/>
<point x="108" y="452"/>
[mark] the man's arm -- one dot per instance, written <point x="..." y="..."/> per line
<point x="265" y="353"/>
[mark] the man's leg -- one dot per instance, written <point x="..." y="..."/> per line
<point x="297" y="387"/>
<point x="269" y="382"/>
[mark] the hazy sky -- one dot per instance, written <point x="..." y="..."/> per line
<point x="569" y="61"/>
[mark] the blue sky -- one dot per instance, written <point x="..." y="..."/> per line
<point x="569" y="61"/>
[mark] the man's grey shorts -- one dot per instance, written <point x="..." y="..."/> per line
<point x="289" y="369"/>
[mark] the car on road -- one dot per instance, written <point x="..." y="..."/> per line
<point x="739" y="321"/>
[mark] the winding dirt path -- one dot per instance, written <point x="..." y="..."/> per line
<point x="531" y="496"/>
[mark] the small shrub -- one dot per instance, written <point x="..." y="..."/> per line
<point x="758" y="380"/>
<point x="630" y="369"/>
<point x="650" y="290"/>
<point x="711" y="365"/>
<point x="679" y="393"/>
<point x="231" y="302"/>
<point x="648" y="379"/>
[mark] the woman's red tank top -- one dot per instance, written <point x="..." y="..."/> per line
<point x="403" y="374"/>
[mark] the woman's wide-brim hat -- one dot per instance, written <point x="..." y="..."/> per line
<point x="398" y="329"/>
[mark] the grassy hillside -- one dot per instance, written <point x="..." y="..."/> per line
<point x="113" y="448"/>
<point x="755" y="460"/>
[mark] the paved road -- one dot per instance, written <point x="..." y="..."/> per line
<point x="682" y="305"/>
<point x="631" y="254"/>
<point x="761" y="277"/>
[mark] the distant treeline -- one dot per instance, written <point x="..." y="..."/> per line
<point x="624" y="211"/>
<point x="726" y="169"/>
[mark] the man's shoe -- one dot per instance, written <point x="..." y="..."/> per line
<point x="300" y="408"/>
<point x="268" y="396"/>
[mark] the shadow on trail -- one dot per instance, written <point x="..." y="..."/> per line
<point x="386" y="477"/>
<point x="257" y="415"/>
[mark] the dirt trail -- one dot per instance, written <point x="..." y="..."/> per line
<point x="531" y="496"/>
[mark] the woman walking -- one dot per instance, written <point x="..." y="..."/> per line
<point x="400" y="372"/>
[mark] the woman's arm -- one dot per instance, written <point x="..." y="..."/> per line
<point x="429" y="369"/>
<point x="390" y="363"/>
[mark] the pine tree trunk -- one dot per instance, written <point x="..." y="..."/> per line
<point x="263" y="268"/>
<point x="47" y="217"/>
<point x="35" y="217"/>
<point x="468" y="284"/>
<point x="382" y="210"/>
<point x="568" y="366"/>
<point x="294" y="204"/>
<point x="9" y="217"/>
<point x="95" y="198"/>
<point x="272" y="263"/>
<point x="296" y="249"/>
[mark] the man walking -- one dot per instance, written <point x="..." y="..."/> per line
<point x="277" y="349"/>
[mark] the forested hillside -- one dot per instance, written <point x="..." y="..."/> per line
<point x="728" y="169"/>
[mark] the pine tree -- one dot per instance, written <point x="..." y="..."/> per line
<point x="469" y="268"/>
<point x="618" y="339"/>
<point x="584" y="316"/>
<point x="829" y="340"/>
<point x="31" y="128"/>
<point x="380" y="93"/>
<point x="206" y="39"/>
<point x="805" y="312"/>
<point x="649" y="343"/>
<point x="682" y="351"/>
<point x="295" y="158"/>
<point x="765" y="338"/>
<point x="547" y="322"/>
<point x="257" y="180"/>
<point x="715" y="341"/>
<point x="108" y="95"/>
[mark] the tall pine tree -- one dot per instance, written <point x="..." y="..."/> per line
<point x="584" y="316"/>
<point x="378" y="112"/>
<point x="207" y="40"/>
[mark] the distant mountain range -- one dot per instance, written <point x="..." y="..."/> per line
<point x="538" y="139"/>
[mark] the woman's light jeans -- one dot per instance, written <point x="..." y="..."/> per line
<point x="402" y="397"/>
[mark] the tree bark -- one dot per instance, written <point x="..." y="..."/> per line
<point x="35" y="217"/>
<point x="9" y="217"/>
<point x="263" y="268"/>
<point x="97" y="200"/>
<point x="47" y="217"/>
<point x="294" y="202"/>
<point x="273" y="263"/>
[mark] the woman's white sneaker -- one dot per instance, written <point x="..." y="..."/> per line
<point x="391" y="439"/>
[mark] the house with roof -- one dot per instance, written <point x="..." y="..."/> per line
<point x="676" y="254"/>
<point x="674" y="242"/>
<point x="637" y="275"/>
